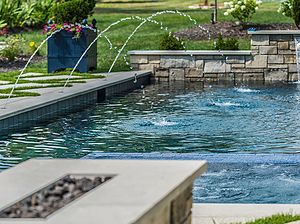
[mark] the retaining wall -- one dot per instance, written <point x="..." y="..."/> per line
<point x="272" y="58"/>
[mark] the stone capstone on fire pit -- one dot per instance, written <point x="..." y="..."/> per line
<point x="50" y="199"/>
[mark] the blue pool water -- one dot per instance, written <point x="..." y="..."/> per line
<point x="183" y="118"/>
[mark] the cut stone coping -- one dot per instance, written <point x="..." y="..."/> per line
<point x="23" y="85"/>
<point x="189" y="53"/>
<point x="51" y="77"/>
<point x="31" y="74"/>
<point x="274" y="32"/>
<point x="138" y="190"/>
<point x="229" y="158"/>
<point x="4" y="82"/>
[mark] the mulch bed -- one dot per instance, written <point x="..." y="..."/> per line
<point x="229" y="29"/>
<point x="19" y="63"/>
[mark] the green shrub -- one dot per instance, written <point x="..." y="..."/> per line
<point x="42" y="11"/>
<point x="291" y="8"/>
<point x="285" y="8"/>
<point x="227" y="44"/>
<point x="169" y="42"/>
<point x="13" y="46"/>
<point x="242" y="10"/>
<point x="296" y="12"/>
<point x="72" y="11"/>
<point x="24" y="12"/>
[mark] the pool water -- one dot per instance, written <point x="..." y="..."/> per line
<point x="173" y="117"/>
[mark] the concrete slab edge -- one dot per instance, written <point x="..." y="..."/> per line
<point x="287" y="159"/>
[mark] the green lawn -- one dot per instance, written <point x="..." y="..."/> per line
<point x="146" y="37"/>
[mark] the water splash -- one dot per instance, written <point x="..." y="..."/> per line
<point x="120" y="50"/>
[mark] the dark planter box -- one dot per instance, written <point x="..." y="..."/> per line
<point x="64" y="52"/>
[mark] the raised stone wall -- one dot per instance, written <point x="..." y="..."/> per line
<point x="272" y="58"/>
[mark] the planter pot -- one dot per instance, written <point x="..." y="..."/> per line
<point x="64" y="52"/>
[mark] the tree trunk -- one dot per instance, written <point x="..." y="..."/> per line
<point x="215" y="14"/>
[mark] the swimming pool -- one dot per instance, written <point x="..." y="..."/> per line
<point x="172" y="117"/>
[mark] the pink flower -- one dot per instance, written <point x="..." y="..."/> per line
<point x="45" y="27"/>
<point x="66" y="24"/>
<point x="43" y="31"/>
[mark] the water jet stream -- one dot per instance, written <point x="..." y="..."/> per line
<point x="120" y="50"/>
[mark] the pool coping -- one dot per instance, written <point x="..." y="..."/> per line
<point x="222" y="158"/>
<point x="26" y="112"/>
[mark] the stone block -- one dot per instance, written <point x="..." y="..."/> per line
<point x="177" y="61"/>
<point x="193" y="73"/>
<point x="248" y="70"/>
<point x="134" y="66"/>
<point x="290" y="59"/>
<point x="226" y="76"/>
<point x="140" y="59"/>
<point x="195" y="79"/>
<point x="293" y="77"/>
<point x="277" y="66"/>
<point x="162" y="72"/>
<point x="181" y="206"/>
<point x="154" y="59"/>
<point x="204" y="57"/>
<point x="274" y="59"/>
<point x="260" y="40"/>
<point x="273" y="43"/>
<point x="199" y="64"/>
<point x="254" y="47"/>
<point x="272" y="75"/>
<point x="292" y="45"/>
<point x="286" y="52"/>
<point x="210" y="75"/>
<point x="253" y="76"/>
<point x="188" y="219"/>
<point x="238" y="77"/>
<point x="256" y="61"/>
<point x="214" y="66"/>
<point x="147" y="67"/>
<point x="235" y="59"/>
<point x="163" y="79"/>
<point x="176" y="74"/>
<point x="237" y="66"/>
<point x="283" y="45"/>
<point x="228" y="68"/>
<point x="255" y="52"/>
<point x="292" y="68"/>
<point x="267" y="50"/>
<point x="219" y="57"/>
<point x="281" y="37"/>
<point x="161" y="217"/>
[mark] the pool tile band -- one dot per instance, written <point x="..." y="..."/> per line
<point x="291" y="159"/>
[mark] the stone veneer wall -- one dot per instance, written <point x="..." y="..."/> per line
<point x="272" y="58"/>
<point x="178" y="211"/>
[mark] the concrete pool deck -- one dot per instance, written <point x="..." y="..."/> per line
<point x="232" y="213"/>
<point x="24" y="112"/>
